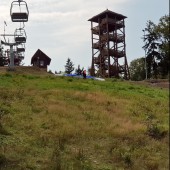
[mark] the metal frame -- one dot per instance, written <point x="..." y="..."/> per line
<point x="19" y="16"/>
<point x="20" y="35"/>
<point x="16" y="55"/>
<point x="11" y="59"/>
<point x="20" y="48"/>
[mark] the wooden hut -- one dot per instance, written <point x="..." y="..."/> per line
<point x="40" y="59"/>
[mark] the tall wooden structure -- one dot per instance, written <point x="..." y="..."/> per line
<point x="108" y="45"/>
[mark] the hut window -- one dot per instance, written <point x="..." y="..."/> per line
<point x="41" y="63"/>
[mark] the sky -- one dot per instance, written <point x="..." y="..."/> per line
<point x="60" y="28"/>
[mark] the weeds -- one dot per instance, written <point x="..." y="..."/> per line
<point x="80" y="155"/>
<point x="3" y="160"/>
<point x="74" y="124"/>
<point x="127" y="158"/>
<point x="57" y="159"/>
<point x="3" y="131"/>
<point x="155" y="131"/>
<point x="61" y="143"/>
<point x="152" y="165"/>
<point x="30" y="77"/>
<point x="8" y="75"/>
<point x="3" y="112"/>
<point x="70" y="79"/>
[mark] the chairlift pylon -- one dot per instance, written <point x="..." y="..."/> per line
<point x="19" y="11"/>
<point x="20" y="35"/>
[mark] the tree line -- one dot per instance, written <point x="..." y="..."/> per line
<point x="69" y="68"/>
<point x="155" y="64"/>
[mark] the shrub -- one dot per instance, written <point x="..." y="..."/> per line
<point x="7" y="75"/>
<point x="156" y="132"/>
<point x="3" y="160"/>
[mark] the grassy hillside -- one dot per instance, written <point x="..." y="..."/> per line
<point x="60" y="123"/>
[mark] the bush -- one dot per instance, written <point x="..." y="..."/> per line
<point x="156" y="132"/>
<point x="3" y="160"/>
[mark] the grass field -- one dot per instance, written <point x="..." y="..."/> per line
<point x="61" y="123"/>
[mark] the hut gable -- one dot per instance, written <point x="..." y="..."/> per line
<point x="40" y="59"/>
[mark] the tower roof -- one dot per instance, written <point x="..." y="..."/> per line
<point x="110" y="15"/>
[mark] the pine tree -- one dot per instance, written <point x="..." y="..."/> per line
<point x="69" y="67"/>
<point x="157" y="47"/>
<point x="79" y="71"/>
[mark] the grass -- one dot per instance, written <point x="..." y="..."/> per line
<point x="61" y="123"/>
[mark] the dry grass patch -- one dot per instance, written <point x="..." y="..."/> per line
<point x="58" y="123"/>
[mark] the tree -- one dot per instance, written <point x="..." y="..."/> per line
<point x="162" y="30"/>
<point x="152" y="48"/>
<point x="79" y="71"/>
<point x="3" y="60"/>
<point x="137" y="69"/>
<point x="157" y="47"/>
<point x="69" y="66"/>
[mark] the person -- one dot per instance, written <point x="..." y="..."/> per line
<point x="84" y="74"/>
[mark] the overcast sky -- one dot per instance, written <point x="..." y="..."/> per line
<point x="60" y="28"/>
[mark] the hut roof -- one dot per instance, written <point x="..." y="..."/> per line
<point x="40" y="54"/>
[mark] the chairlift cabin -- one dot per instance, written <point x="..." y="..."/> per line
<point x="20" y="48"/>
<point x="20" y="35"/>
<point x="21" y="56"/>
<point x="19" y="11"/>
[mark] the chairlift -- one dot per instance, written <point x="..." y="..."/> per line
<point x="21" y="56"/>
<point x="20" y="35"/>
<point x="19" y="11"/>
<point x="20" y="48"/>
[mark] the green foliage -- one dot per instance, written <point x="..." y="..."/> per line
<point x="70" y="79"/>
<point x="68" y="123"/>
<point x="8" y="75"/>
<point x="137" y="69"/>
<point x="156" y="132"/>
<point x="157" y="47"/>
<point x="79" y="70"/>
<point x="69" y="67"/>
<point x="127" y="158"/>
<point x="3" y="61"/>
<point x="3" y="160"/>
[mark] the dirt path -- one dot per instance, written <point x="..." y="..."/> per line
<point x="160" y="83"/>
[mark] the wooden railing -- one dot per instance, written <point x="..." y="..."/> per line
<point x="114" y="53"/>
<point x="95" y="30"/>
<point x="113" y="37"/>
<point x="96" y="45"/>
<point x="112" y="21"/>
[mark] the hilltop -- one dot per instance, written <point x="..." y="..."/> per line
<point x="63" y="123"/>
<point x="25" y="70"/>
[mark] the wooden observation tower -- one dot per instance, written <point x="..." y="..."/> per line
<point x="108" y="45"/>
